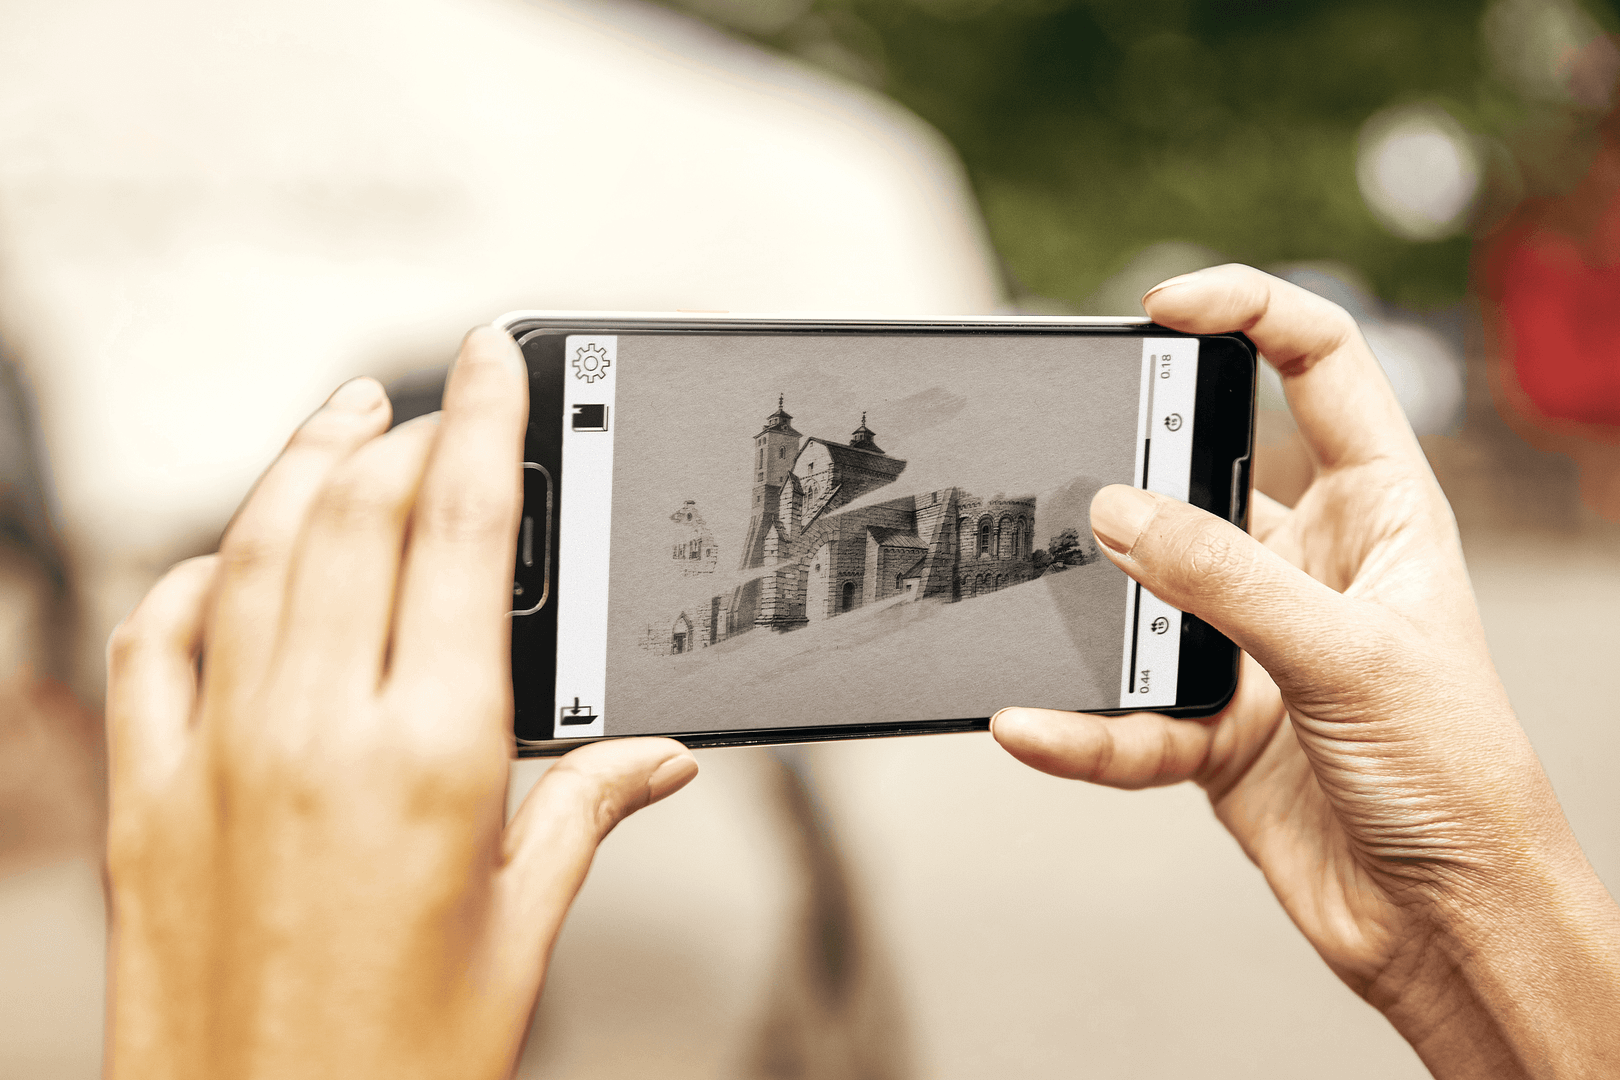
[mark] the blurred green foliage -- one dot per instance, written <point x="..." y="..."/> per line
<point x="1093" y="128"/>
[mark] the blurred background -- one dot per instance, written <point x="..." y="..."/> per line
<point x="212" y="213"/>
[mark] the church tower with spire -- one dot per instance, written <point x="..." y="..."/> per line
<point x="864" y="438"/>
<point x="775" y="449"/>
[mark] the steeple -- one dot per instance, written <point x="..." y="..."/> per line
<point x="862" y="438"/>
<point x="779" y="422"/>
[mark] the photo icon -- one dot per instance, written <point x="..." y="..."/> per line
<point x="589" y="418"/>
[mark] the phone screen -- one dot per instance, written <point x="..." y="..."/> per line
<point x="800" y="530"/>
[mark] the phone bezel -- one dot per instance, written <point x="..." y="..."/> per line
<point x="1223" y="445"/>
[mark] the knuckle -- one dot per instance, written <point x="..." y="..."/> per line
<point x="246" y="552"/>
<point x="1103" y="760"/>
<point x="449" y="781"/>
<point x="447" y="757"/>
<point x="128" y="844"/>
<point x="1210" y="554"/>
<point x="124" y="643"/>
<point x="288" y="778"/>
<point x="595" y="809"/>
<point x="470" y="514"/>
<point x="1332" y="317"/>
<point x="1385" y="650"/>
<point x="166" y="614"/>
<point x="1339" y="327"/>
<point x="353" y="496"/>
<point x="331" y="431"/>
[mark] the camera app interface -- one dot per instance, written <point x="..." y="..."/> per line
<point x="783" y="530"/>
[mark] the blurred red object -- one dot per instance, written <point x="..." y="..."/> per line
<point x="1555" y="278"/>
<point x="1549" y="277"/>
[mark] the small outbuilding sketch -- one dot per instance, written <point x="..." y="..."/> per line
<point x="818" y="561"/>
<point x="692" y="544"/>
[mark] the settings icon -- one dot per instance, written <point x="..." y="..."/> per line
<point x="591" y="363"/>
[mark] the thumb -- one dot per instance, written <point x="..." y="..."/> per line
<point x="1194" y="561"/>
<point x="554" y="835"/>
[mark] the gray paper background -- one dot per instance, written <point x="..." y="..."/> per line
<point x="1004" y="414"/>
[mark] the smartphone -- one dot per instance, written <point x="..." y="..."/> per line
<point x="760" y="529"/>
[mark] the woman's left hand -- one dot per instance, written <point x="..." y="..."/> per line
<point x="310" y="732"/>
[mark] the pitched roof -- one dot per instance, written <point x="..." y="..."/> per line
<point x="897" y="538"/>
<point x="843" y="454"/>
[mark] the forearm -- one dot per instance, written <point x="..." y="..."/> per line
<point x="1526" y="985"/>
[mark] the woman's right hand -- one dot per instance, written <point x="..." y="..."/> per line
<point x="1370" y="762"/>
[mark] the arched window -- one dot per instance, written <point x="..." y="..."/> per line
<point x="899" y="581"/>
<point x="984" y="536"/>
<point x="848" y="601"/>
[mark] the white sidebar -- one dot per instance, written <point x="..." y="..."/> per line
<point x="1153" y="647"/>
<point x="585" y="506"/>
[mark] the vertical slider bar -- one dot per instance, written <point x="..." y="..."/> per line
<point x="1133" y="591"/>
<point x="1172" y="365"/>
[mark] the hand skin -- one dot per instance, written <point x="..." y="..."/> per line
<point x="1370" y="763"/>
<point x="309" y="737"/>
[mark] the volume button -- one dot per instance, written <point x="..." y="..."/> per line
<point x="537" y="490"/>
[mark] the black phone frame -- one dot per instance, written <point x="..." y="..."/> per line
<point x="1219" y="481"/>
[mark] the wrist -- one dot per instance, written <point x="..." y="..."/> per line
<point x="1521" y="981"/>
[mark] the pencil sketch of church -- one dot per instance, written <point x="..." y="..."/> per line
<point x="817" y="561"/>
<point x="693" y="547"/>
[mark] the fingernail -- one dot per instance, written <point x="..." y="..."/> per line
<point x="1170" y="283"/>
<point x="1119" y="514"/>
<point x="671" y="776"/>
<point x="357" y="395"/>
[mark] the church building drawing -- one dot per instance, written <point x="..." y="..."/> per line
<point x="692" y="546"/>
<point x="817" y="560"/>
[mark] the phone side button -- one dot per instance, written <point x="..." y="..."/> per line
<point x="531" y="577"/>
<point x="1238" y="500"/>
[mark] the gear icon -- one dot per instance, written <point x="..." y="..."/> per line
<point x="591" y="363"/>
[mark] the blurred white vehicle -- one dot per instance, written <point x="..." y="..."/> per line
<point x="212" y="213"/>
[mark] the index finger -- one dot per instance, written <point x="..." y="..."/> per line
<point x="1345" y="408"/>
<point x="455" y="588"/>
